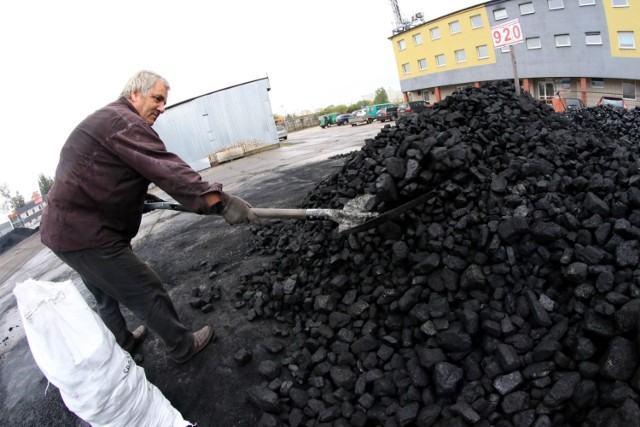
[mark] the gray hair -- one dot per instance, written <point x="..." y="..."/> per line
<point x="141" y="82"/>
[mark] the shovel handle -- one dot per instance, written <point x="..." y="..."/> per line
<point x="272" y="213"/>
<point x="268" y="213"/>
<point x="166" y="206"/>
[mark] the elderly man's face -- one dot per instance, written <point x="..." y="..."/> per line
<point x="152" y="104"/>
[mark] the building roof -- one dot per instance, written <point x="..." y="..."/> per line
<point x="219" y="90"/>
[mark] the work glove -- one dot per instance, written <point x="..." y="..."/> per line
<point x="237" y="211"/>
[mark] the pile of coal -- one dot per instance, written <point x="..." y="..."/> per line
<point x="15" y="236"/>
<point x="510" y="298"/>
<point x="614" y="122"/>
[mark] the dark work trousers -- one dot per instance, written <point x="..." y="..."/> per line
<point x="117" y="276"/>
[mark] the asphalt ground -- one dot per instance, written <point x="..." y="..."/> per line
<point x="188" y="251"/>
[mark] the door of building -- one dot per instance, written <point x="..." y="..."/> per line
<point x="546" y="91"/>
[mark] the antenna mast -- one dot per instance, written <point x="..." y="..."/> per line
<point x="396" y="13"/>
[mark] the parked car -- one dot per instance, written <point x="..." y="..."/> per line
<point x="358" y="117"/>
<point x="411" y="107"/>
<point x="282" y="132"/>
<point x="372" y="110"/>
<point x="573" y="103"/>
<point x="387" y="113"/>
<point x="343" y="119"/>
<point x="612" y="101"/>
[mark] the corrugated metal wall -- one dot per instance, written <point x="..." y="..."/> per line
<point x="236" y="117"/>
<point x="5" y="228"/>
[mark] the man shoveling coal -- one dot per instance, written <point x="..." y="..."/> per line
<point x="96" y="204"/>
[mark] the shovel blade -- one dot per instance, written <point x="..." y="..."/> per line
<point x="393" y="213"/>
<point x="352" y="215"/>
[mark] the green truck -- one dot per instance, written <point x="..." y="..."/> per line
<point x="328" y="120"/>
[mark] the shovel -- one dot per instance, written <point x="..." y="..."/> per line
<point x="350" y="219"/>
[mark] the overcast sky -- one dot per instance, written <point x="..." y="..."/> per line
<point x="64" y="59"/>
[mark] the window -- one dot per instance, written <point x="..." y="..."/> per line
<point x="564" y="84"/>
<point x="417" y="39"/>
<point x="435" y="33"/>
<point x="422" y="64"/>
<point x="597" y="83"/>
<point x="526" y="8"/>
<point x="482" y="51"/>
<point x="546" y="91"/>
<point x="625" y="40"/>
<point x="563" y="40"/>
<point x="620" y="3"/>
<point x="629" y="90"/>
<point x="440" y="61"/>
<point x="534" y="43"/>
<point x="555" y="4"/>
<point x="402" y="45"/>
<point x="461" y="56"/>
<point x="593" y="38"/>
<point x="499" y="14"/>
<point x="454" y="27"/>
<point x="406" y="69"/>
<point x="586" y="2"/>
<point x="505" y="49"/>
<point x="476" y="21"/>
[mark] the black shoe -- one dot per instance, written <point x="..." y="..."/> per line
<point x="200" y="340"/>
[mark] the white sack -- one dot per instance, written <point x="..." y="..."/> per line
<point x="97" y="379"/>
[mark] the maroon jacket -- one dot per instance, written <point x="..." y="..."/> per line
<point x="104" y="172"/>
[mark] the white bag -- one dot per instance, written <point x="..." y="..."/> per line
<point x="97" y="379"/>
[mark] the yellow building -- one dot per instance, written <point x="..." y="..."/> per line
<point x="581" y="48"/>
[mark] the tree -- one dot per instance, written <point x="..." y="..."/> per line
<point x="5" y="198"/>
<point x="358" y="105"/>
<point x="17" y="201"/>
<point x="44" y="183"/>
<point x="341" y="108"/>
<point x="327" y="110"/>
<point x="8" y="202"/>
<point x="381" y="96"/>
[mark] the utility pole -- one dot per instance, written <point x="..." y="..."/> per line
<point x="515" y="69"/>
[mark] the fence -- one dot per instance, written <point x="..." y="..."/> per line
<point x="298" y="123"/>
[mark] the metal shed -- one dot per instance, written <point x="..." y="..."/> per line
<point x="221" y="125"/>
<point x="5" y="228"/>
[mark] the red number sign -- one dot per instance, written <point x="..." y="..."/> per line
<point x="507" y="34"/>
